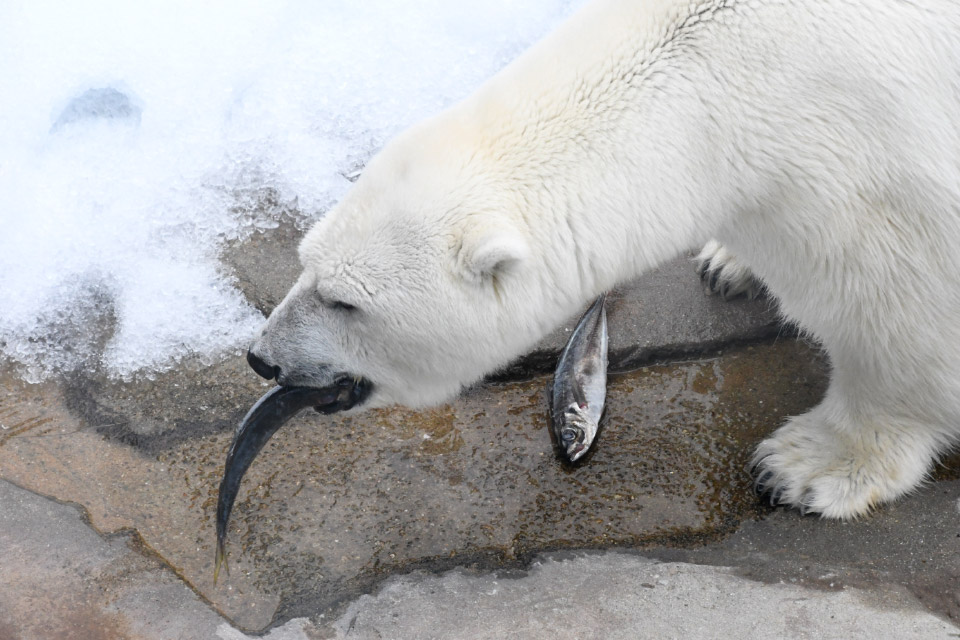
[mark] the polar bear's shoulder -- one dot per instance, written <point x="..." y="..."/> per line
<point x="607" y="42"/>
<point x="606" y="27"/>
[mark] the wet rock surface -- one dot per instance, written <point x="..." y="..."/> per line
<point x="334" y="505"/>
<point x="265" y="264"/>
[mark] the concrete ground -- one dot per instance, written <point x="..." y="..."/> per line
<point x="459" y="522"/>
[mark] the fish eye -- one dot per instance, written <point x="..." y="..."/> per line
<point x="568" y="435"/>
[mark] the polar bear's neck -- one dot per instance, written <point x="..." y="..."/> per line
<point x="611" y="153"/>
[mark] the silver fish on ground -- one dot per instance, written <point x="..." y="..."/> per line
<point x="267" y="415"/>
<point x="580" y="383"/>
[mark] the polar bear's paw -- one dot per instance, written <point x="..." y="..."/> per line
<point x="840" y="472"/>
<point x="724" y="275"/>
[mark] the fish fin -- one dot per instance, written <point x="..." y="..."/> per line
<point x="579" y="396"/>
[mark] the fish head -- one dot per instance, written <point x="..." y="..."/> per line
<point x="577" y="430"/>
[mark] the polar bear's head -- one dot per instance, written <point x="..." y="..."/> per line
<point x="423" y="279"/>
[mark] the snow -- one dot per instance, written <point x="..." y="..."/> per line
<point x="136" y="139"/>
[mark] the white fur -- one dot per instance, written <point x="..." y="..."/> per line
<point x="818" y="141"/>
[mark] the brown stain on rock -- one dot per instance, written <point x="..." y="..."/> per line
<point x="64" y="619"/>
<point x="85" y="623"/>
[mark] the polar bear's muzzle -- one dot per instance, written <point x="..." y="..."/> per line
<point x="350" y="393"/>
<point x="345" y="392"/>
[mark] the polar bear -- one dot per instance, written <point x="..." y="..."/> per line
<point x="815" y="145"/>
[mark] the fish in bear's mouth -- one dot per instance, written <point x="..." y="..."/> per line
<point x="265" y="417"/>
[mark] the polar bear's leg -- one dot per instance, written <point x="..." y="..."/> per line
<point x="724" y="275"/>
<point x="825" y="461"/>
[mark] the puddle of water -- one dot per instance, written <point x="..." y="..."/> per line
<point x="333" y="504"/>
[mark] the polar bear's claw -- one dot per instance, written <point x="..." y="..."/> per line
<point x="767" y="486"/>
<point x="776" y="495"/>
<point x="804" y="505"/>
<point x="761" y="484"/>
<point x="724" y="275"/>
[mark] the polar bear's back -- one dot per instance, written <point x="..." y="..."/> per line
<point x="822" y="139"/>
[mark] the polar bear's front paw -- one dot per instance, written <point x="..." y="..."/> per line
<point x="724" y="275"/>
<point x="839" y="472"/>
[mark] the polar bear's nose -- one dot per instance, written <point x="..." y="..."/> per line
<point x="262" y="368"/>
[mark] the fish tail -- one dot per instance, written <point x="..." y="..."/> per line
<point x="221" y="559"/>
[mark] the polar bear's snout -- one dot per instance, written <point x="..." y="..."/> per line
<point x="296" y="350"/>
<point x="262" y="369"/>
<point x="317" y="375"/>
<point x="351" y="390"/>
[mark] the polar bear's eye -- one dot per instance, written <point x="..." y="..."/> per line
<point x="338" y="305"/>
<point x="343" y="306"/>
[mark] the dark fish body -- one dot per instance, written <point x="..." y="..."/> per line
<point x="580" y="383"/>
<point x="265" y="417"/>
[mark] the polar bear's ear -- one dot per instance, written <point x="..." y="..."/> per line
<point x="491" y="252"/>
